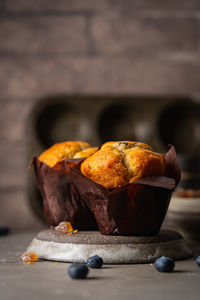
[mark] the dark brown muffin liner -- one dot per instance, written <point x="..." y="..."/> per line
<point x="137" y="208"/>
<point x="61" y="199"/>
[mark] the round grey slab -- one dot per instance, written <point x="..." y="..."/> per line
<point x="50" y="245"/>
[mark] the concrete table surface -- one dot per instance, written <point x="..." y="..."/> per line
<point x="45" y="280"/>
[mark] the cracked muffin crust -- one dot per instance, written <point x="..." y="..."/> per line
<point x="118" y="163"/>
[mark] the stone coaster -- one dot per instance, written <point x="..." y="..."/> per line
<point x="50" y="245"/>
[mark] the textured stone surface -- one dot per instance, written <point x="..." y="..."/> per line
<point x="43" y="35"/>
<point x="1" y="6"/>
<point x="44" y="280"/>
<point x="14" y="117"/>
<point x="56" y="6"/>
<point x="91" y="5"/>
<point x="34" y="78"/>
<point x="170" y="5"/>
<point x="92" y="237"/>
<point x="117" y="34"/>
<point x="13" y="165"/>
<point x="118" y="250"/>
<point x="15" y="210"/>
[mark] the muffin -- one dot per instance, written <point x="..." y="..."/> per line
<point x="66" y="150"/>
<point x="61" y="200"/>
<point x="127" y="187"/>
<point x="120" y="163"/>
<point x="124" y="188"/>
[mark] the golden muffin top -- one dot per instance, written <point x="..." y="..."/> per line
<point x="118" y="163"/>
<point x="66" y="150"/>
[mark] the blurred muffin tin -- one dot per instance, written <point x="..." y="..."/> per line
<point x="158" y="121"/>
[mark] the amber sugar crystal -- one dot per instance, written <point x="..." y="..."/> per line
<point x="64" y="228"/>
<point x="29" y="257"/>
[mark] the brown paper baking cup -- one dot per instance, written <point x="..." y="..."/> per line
<point x="137" y="208"/>
<point x="61" y="199"/>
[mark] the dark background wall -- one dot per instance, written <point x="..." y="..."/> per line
<point x="50" y="47"/>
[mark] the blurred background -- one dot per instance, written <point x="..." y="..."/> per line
<point x="96" y="71"/>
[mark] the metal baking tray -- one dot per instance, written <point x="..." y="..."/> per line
<point x="158" y="121"/>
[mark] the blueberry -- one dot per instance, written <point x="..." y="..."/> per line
<point x="198" y="261"/>
<point x="95" y="262"/>
<point x="164" y="264"/>
<point x="78" y="271"/>
<point x="4" y="230"/>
